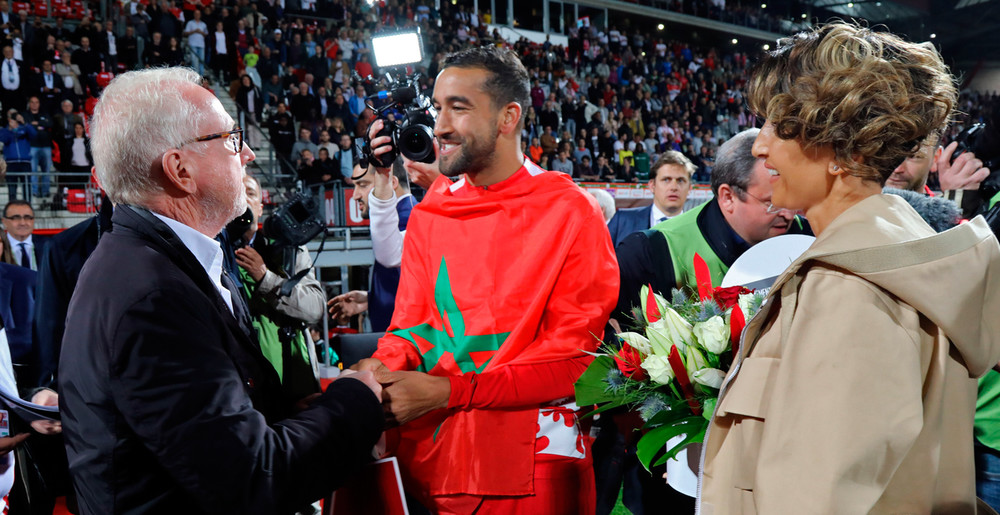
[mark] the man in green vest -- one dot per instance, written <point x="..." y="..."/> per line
<point x="739" y="216"/>
<point x="279" y="319"/>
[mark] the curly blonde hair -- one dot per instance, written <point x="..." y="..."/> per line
<point x="871" y="96"/>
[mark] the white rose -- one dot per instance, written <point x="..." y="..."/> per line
<point x="637" y="342"/>
<point x="658" y="368"/>
<point x="711" y="377"/>
<point x="712" y="334"/>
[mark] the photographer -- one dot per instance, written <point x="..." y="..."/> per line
<point x="385" y="199"/>
<point x="260" y="263"/>
<point x="16" y="138"/>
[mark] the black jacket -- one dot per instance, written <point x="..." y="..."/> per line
<point x="168" y="405"/>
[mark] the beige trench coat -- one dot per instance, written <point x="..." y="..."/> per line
<point x="849" y="397"/>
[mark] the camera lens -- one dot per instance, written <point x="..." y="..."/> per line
<point x="417" y="143"/>
<point x="416" y="137"/>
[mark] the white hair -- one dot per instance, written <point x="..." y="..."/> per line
<point x="606" y="201"/>
<point x="141" y="115"/>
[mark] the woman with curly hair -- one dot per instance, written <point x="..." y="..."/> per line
<point x="855" y="387"/>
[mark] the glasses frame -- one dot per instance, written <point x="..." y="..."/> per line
<point x="217" y="135"/>
<point x="18" y="218"/>
<point x="770" y="208"/>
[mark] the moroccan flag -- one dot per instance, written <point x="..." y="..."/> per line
<point x="517" y="273"/>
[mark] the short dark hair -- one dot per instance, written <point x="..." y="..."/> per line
<point x="400" y="172"/>
<point x="508" y="79"/>
<point x="672" y="157"/>
<point x="734" y="163"/>
<point x="17" y="202"/>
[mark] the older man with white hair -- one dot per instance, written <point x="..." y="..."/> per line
<point x="167" y="403"/>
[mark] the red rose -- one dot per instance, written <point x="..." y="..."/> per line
<point x="727" y="297"/>
<point x="629" y="362"/>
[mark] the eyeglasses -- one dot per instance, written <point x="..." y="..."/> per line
<point x="768" y="206"/>
<point x="235" y="137"/>
<point x="18" y="218"/>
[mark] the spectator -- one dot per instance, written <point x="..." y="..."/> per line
<point x="25" y="246"/>
<point x="11" y="94"/>
<point x="173" y="55"/>
<point x="222" y="54"/>
<point x="562" y="164"/>
<point x="548" y="141"/>
<point x="581" y="150"/>
<point x="304" y="143"/>
<point x="79" y="157"/>
<point x="41" y="147"/>
<point x="196" y="31"/>
<point x="584" y="171"/>
<point x="16" y="138"/>
<point x="251" y="104"/>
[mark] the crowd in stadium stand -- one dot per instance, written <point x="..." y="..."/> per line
<point x="603" y="106"/>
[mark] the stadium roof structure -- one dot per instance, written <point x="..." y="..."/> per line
<point x="965" y="30"/>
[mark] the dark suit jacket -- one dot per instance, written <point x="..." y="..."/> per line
<point x="17" y="306"/>
<point x="60" y="268"/>
<point x="168" y="405"/>
<point x="628" y="221"/>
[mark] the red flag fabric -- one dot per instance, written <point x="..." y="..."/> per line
<point x="517" y="273"/>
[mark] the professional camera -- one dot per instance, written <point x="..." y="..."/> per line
<point x="296" y="222"/>
<point x="983" y="139"/>
<point x="412" y="124"/>
<point x="412" y="131"/>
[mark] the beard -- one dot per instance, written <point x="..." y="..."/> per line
<point x="474" y="155"/>
<point x="224" y="206"/>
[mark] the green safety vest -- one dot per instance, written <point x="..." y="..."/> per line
<point x="684" y="239"/>
<point x="300" y="380"/>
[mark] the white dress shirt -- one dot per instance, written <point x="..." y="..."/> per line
<point x="10" y="75"/>
<point x="656" y="216"/>
<point x="207" y="251"/>
<point x="29" y="246"/>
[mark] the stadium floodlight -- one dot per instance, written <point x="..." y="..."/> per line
<point x="398" y="48"/>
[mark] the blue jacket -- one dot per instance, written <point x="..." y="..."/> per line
<point x="628" y="221"/>
<point x="385" y="281"/>
<point x="17" y="143"/>
<point x="17" y="305"/>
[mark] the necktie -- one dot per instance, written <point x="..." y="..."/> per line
<point x="25" y="258"/>
<point x="662" y="218"/>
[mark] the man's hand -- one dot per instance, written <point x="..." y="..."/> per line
<point x="422" y="174"/>
<point x="379" y="145"/>
<point x="965" y="173"/>
<point x="409" y="395"/>
<point x="8" y="443"/>
<point x="370" y="365"/>
<point x="251" y="261"/>
<point x="348" y="304"/>
<point x="365" y="376"/>
<point x="46" y="397"/>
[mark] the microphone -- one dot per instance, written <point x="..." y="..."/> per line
<point x="403" y="95"/>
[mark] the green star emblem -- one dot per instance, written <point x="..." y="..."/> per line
<point x="451" y="338"/>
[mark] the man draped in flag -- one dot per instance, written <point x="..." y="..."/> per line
<point x="508" y="277"/>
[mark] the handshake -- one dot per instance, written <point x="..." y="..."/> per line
<point x="404" y="395"/>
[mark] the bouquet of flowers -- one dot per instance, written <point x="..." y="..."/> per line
<point x="671" y="367"/>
